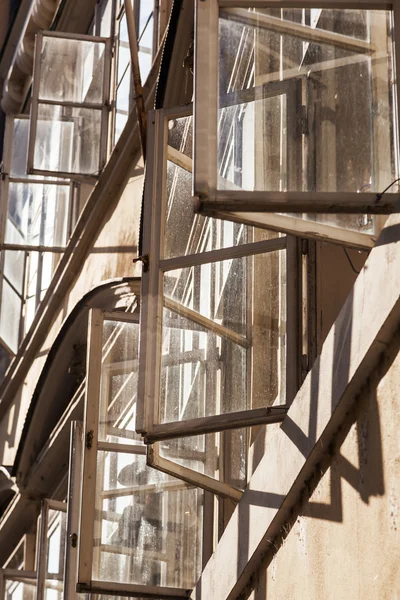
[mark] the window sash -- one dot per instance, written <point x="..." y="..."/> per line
<point x="153" y="302"/>
<point x="102" y="107"/>
<point x="85" y="583"/>
<point x="47" y="505"/>
<point x="259" y="208"/>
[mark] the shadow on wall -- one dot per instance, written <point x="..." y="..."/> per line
<point x="367" y="480"/>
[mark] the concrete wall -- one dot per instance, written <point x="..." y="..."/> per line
<point x="344" y="543"/>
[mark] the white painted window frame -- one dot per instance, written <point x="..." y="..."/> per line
<point x="147" y="421"/>
<point x="244" y="206"/>
<point x="47" y="505"/>
<point x="85" y="583"/>
<point x="104" y="105"/>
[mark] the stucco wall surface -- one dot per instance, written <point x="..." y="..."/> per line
<point x="345" y="540"/>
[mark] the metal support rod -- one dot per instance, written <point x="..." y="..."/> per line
<point x="137" y="83"/>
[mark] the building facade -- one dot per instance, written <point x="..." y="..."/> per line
<point x="199" y="300"/>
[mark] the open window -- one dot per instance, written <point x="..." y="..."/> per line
<point x="216" y="354"/>
<point x="51" y="550"/>
<point x="296" y="117"/>
<point x="140" y="531"/>
<point x="70" y="108"/>
<point x="36" y="220"/>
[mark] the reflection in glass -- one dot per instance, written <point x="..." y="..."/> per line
<point x="118" y="393"/>
<point x="216" y="317"/>
<point x="148" y="526"/>
<point x="82" y="66"/>
<point x="185" y="231"/>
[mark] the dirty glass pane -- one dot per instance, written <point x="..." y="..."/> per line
<point x="306" y="102"/>
<point x="146" y="39"/>
<point x="122" y="103"/>
<point x="124" y="55"/>
<point x="20" y="590"/>
<point x="10" y="313"/>
<point x="221" y="456"/>
<point x="39" y="213"/>
<point x="54" y="577"/>
<point x="148" y="526"/>
<point x="216" y="318"/>
<point x="14" y="261"/>
<point x="118" y="392"/>
<point x="67" y="139"/>
<point x="81" y="64"/>
<point x="185" y="231"/>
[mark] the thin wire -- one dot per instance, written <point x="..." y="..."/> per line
<point x="350" y="261"/>
<point x="379" y="196"/>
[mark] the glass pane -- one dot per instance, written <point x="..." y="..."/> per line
<point x="105" y="17"/>
<point x="54" y="578"/>
<point x="306" y="100"/>
<point x="187" y="232"/>
<point x="221" y="456"/>
<point x="71" y="70"/>
<point x="37" y="214"/>
<point x="20" y="151"/>
<point x="148" y="527"/>
<point x="224" y="334"/>
<point x="118" y="393"/>
<point x="10" y="315"/>
<point x="14" y="264"/>
<point x="18" y="590"/>
<point x="122" y="103"/>
<point x="146" y="39"/>
<point x="124" y="55"/>
<point x="67" y="140"/>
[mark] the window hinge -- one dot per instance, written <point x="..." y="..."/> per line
<point x="145" y="260"/>
<point x="304" y="120"/>
<point x="304" y="247"/>
<point x="74" y="540"/>
<point x="89" y="439"/>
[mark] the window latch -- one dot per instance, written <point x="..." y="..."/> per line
<point x="74" y="540"/>
<point x="145" y="260"/>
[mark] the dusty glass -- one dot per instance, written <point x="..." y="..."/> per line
<point x="148" y="526"/>
<point x="185" y="231"/>
<point x="67" y="139"/>
<point x="306" y="103"/>
<point x="223" y="322"/>
<point x="39" y="213"/>
<point x="118" y="391"/>
<point x="82" y="65"/>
